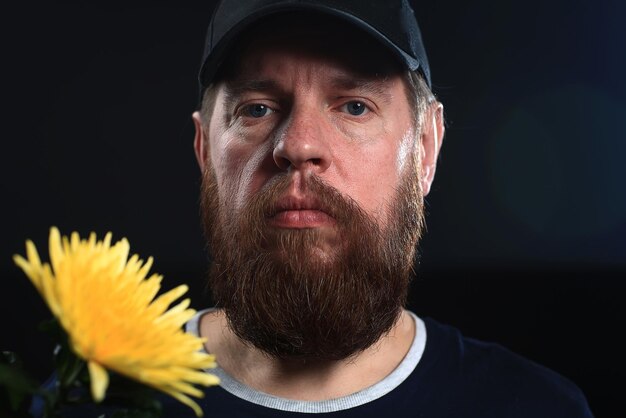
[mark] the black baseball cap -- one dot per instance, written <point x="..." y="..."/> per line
<point x="392" y="22"/>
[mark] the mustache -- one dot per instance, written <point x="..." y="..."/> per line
<point x="313" y="193"/>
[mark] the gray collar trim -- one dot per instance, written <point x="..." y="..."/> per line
<point x="389" y="383"/>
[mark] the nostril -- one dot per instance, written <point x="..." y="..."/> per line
<point x="282" y="163"/>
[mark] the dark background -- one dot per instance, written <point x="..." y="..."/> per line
<point x="526" y="240"/>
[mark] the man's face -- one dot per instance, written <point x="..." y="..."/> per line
<point x="297" y="107"/>
<point x="311" y="194"/>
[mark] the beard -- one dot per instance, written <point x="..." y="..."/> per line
<point x="310" y="293"/>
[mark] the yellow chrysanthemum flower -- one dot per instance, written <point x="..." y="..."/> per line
<point x="108" y="308"/>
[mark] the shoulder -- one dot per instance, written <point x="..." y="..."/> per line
<point x="504" y="382"/>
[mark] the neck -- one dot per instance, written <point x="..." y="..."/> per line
<point x="306" y="379"/>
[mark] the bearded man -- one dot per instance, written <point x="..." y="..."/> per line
<point x="318" y="137"/>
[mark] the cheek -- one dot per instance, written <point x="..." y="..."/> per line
<point x="406" y="151"/>
<point x="377" y="172"/>
<point x="238" y="169"/>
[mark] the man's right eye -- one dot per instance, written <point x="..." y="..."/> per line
<point x="256" y="110"/>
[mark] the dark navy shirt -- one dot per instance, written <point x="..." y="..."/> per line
<point x="456" y="377"/>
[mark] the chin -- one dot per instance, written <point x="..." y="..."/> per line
<point x="313" y="246"/>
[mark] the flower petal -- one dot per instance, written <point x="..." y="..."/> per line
<point x="99" y="381"/>
<point x="55" y="248"/>
<point x="186" y="400"/>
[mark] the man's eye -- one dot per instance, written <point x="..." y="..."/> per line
<point x="257" y="110"/>
<point x="355" y="108"/>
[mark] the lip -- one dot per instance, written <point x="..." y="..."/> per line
<point x="299" y="213"/>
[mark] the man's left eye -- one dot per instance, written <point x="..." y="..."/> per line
<point x="355" y="108"/>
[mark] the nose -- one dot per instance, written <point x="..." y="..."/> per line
<point x="304" y="143"/>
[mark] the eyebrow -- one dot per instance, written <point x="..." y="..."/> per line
<point x="377" y="87"/>
<point x="238" y="87"/>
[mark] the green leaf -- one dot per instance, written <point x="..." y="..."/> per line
<point x="134" y="397"/>
<point x="53" y="328"/>
<point x="16" y="385"/>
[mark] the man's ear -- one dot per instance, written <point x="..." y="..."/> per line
<point x="431" y="139"/>
<point x="200" y="141"/>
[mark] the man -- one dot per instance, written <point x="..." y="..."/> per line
<point x="318" y="137"/>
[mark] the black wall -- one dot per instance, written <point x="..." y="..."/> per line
<point x="526" y="240"/>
